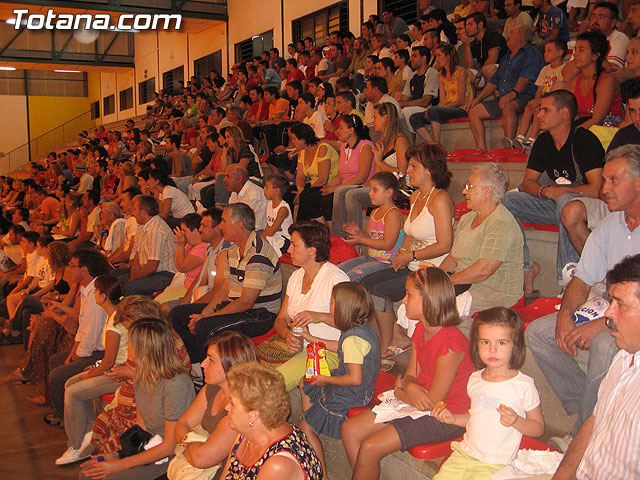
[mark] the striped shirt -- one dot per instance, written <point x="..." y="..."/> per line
<point x="613" y="451"/>
<point x="157" y="243"/>
<point x="259" y="268"/>
<point x="91" y="322"/>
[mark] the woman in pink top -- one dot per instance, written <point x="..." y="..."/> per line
<point x="355" y="169"/>
<point x="189" y="259"/>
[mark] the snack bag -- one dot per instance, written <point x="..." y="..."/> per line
<point x="316" y="361"/>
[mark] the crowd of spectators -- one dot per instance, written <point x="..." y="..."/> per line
<point x="197" y="205"/>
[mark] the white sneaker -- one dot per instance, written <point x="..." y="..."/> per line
<point x="561" y="443"/>
<point x="71" y="455"/>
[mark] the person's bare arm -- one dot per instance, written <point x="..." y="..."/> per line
<point x="492" y="56"/>
<point x="147" y="269"/>
<point x="572" y="458"/>
<point x="605" y="91"/>
<point x="477" y="272"/>
<point x="590" y="189"/>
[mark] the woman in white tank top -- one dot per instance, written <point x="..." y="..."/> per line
<point x="428" y="235"/>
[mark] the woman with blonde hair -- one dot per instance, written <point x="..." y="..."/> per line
<point x="389" y="155"/>
<point x="70" y="227"/>
<point x="267" y="446"/>
<point x="121" y="413"/>
<point x="163" y="391"/>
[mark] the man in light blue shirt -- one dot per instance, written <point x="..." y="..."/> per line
<point x="514" y="81"/>
<point x="269" y="75"/>
<point x="555" y="340"/>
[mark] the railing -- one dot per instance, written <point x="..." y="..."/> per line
<point x="45" y="143"/>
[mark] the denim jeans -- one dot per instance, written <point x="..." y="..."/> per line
<point x="356" y="199"/>
<point x="79" y="414"/>
<point x="359" y="267"/>
<point x="529" y="209"/>
<point x="59" y="373"/>
<point x="577" y="391"/>
<point x="339" y="215"/>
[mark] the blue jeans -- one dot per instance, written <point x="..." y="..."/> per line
<point x="356" y="199"/>
<point x="577" y="391"/>
<point x="359" y="267"/>
<point x="529" y="209"/>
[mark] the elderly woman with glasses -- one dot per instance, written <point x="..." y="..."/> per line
<point x="487" y="248"/>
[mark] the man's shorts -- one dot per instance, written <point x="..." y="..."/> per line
<point x="494" y="110"/>
<point x="596" y="211"/>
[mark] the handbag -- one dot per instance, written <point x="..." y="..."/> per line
<point x="133" y="441"/>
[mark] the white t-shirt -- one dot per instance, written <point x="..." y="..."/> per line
<point x="316" y="121"/>
<point x="618" y="42"/>
<point x="32" y="261"/>
<point x="43" y="272"/>
<point x="116" y="235"/>
<point x="317" y="299"/>
<point x="549" y="76"/>
<point x="277" y="240"/>
<point x="486" y="439"/>
<point x="180" y="204"/>
<point x="130" y="229"/>
<point x="253" y="195"/>
<point x="405" y="73"/>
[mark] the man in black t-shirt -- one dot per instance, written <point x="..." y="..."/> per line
<point x="556" y="154"/>
<point x="483" y="49"/>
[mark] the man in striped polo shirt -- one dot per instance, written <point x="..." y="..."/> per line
<point x="152" y="267"/>
<point x="608" y="443"/>
<point x="248" y="293"/>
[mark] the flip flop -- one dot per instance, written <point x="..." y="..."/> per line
<point x="395" y="351"/>
<point x="386" y="364"/>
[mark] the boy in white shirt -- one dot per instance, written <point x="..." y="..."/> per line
<point x="279" y="217"/>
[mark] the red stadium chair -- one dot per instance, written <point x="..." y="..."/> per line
<point x="540" y="307"/>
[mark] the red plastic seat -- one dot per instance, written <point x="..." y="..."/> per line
<point x="541" y="227"/>
<point x="264" y="338"/>
<point x="431" y="451"/>
<point x="464" y="155"/>
<point x="540" y="307"/>
<point x="263" y="158"/>
<point x="460" y="210"/>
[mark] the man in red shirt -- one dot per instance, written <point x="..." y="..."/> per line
<point x="259" y="106"/>
<point x="293" y="72"/>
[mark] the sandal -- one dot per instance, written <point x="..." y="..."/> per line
<point x="386" y="364"/>
<point x="394" y="351"/>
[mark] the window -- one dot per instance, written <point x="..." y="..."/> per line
<point x="95" y="110"/>
<point x="319" y="24"/>
<point x="126" y="99"/>
<point x="408" y="10"/>
<point x="109" y="105"/>
<point x="171" y="78"/>
<point x="145" y="91"/>
<point x="204" y="65"/>
<point x="254" y="46"/>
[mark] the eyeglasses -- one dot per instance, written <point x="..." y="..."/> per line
<point x="602" y="17"/>
<point x="469" y="186"/>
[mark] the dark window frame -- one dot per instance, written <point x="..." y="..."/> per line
<point x="321" y="22"/>
<point x="146" y="89"/>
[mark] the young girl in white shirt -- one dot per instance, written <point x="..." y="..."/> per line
<point x="279" y="217"/>
<point x="504" y="402"/>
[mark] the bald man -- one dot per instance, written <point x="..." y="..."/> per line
<point x="243" y="190"/>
